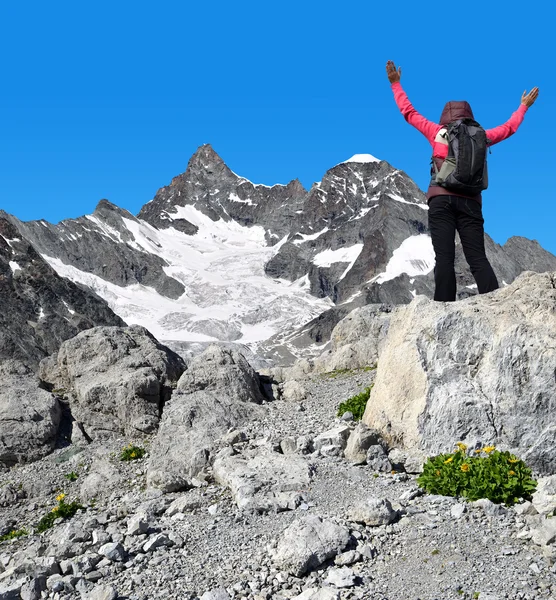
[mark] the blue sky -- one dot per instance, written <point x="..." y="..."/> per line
<point x="110" y="99"/>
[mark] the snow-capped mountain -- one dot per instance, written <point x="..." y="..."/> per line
<point x="216" y="257"/>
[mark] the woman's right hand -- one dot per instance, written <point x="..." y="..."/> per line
<point x="529" y="98"/>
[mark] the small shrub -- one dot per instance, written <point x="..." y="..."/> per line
<point x="356" y="404"/>
<point x="498" y="476"/>
<point x="71" y="476"/>
<point x="63" y="510"/>
<point x="132" y="452"/>
<point x="12" y="535"/>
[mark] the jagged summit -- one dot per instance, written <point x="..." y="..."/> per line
<point x="362" y="158"/>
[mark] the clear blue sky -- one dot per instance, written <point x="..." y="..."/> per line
<point x="110" y="99"/>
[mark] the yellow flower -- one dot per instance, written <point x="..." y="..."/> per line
<point x="512" y="460"/>
<point x="489" y="449"/>
<point x="464" y="467"/>
<point x="437" y="472"/>
<point x="478" y="451"/>
<point x="449" y="460"/>
<point x="511" y="473"/>
<point x="133" y="455"/>
<point x="55" y="509"/>
<point x="461" y="446"/>
<point x="60" y="497"/>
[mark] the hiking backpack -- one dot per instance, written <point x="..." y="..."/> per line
<point x="464" y="170"/>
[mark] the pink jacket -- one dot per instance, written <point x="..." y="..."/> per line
<point x="439" y="147"/>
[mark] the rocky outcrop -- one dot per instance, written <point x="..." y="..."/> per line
<point x="219" y="392"/>
<point x="480" y="371"/>
<point x="29" y="416"/>
<point x="40" y="309"/>
<point x="115" y="379"/>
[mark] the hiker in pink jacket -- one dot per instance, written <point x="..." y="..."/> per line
<point x="450" y="211"/>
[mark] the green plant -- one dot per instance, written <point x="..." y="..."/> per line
<point x="12" y="535"/>
<point x="132" y="452"/>
<point x="435" y="552"/>
<point x="71" y="476"/>
<point x="476" y="595"/>
<point x="488" y="473"/>
<point x="356" y="404"/>
<point x="62" y="511"/>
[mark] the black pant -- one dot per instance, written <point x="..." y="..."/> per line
<point x="446" y="214"/>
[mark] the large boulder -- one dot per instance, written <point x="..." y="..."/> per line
<point x="356" y="339"/>
<point x="116" y="379"/>
<point x="29" y="416"/>
<point x="218" y="392"/>
<point x="262" y="480"/>
<point x="480" y="370"/>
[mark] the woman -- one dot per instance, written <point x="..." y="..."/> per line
<point x="450" y="211"/>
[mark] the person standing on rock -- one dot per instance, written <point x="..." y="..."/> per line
<point x="452" y="209"/>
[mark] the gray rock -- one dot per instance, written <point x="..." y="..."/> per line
<point x="113" y="551"/>
<point x="29" y="416"/>
<point x="377" y="459"/>
<point x="102" y="479"/>
<point x="347" y="558"/>
<point x="183" y="504"/>
<point x="444" y="367"/>
<point x="218" y="392"/>
<point x="336" y="437"/>
<point x="525" y="508"/>
<point x="318" y="594"/>
<point x="116" y="379"/>
<point x="32" y="589"/>
<point x="307" y="543"/>
<point x="11" y="590"/>
<point x="545" y="533"/>
<point x="288" y="445"/>
<point x="458" y="510"/>
<point x="544" y="498"/>
<point x="103" y="592"/>
<point x="156" y="541"/>
<point x="262" y="481"/>
<point x="137" y="524"/>
<point x="374" y="512"/>
<point x="359" y="441"/>
<point x="218" y="594"/>
<point x="490" y="508"/>
<point x="293" y="391"/>
<point x="341" y="578"/>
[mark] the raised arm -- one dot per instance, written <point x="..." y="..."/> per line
<point x="503" y="132"/>
<point x="427" y="128"/>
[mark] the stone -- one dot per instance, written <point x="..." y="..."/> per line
<point x="341" y="578"/>
<point x="317" y="594"/>
<point x="156" y="541"/>
<point x="525" y="508"/>
<point x="218" y="392"/>
<point x="377" y="459"/>
<point x="356" y="339"/>
<point x="307" y="543"/>
<point x="101" y="480"/>
<point x="137" y="524"/>
<point x="347" y="558"/>
<point x="544" y="498"/>
<point x="490" y="508"/>
<point x="103" y="592"/>
<point x="293" y="391"/>
<point x="262" y="480"/>
<point x="337" y="437"/>
<point x="116" y="379"/>
<point x="444" y="367"/>
<point x="457" y="511"/>
<point x="33" y="589"/>
<point x="218" y="594"/>
<point x="183" y="504"/>
<point x="29" y="416"/>
<point x="288" y="445"/>
<point x="359" y="441"/>
<point x="545" y="533"/>
<point x="113" y="551"/>
<point x="374" y="512"/>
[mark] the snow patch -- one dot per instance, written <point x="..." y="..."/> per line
<point x="14" y="266"/>
<point x="362" y="158"/>
<point x="327" y="258"/>
<point x="310" y="236"/>
<point x="415" y="256"/>
<point x="398" y="198"/>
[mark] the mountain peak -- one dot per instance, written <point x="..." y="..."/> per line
<point x="205" y="155"/>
